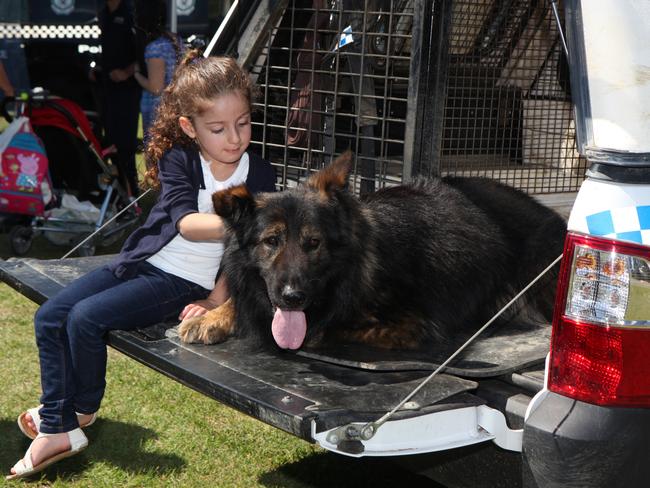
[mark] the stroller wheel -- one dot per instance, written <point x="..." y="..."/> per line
<point x="86" y="250"/>
<point x="20" y="238"/>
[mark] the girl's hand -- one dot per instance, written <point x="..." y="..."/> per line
<point x="198" y="308"/>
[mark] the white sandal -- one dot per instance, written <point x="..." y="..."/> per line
<point x="36" y="418"/>
<point x="24" y="467"/>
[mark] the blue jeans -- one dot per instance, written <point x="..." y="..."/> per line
<point x="71" y="329"/>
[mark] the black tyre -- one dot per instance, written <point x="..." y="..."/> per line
<point x="20" y="239"/>
<point x="86" y="250"/>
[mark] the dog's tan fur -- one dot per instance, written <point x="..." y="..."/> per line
<point x="213" y="327"/>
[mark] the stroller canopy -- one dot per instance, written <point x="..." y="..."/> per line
<point x="64" y="114"/>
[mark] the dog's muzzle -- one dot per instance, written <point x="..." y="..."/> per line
<point x="293" y="299"/>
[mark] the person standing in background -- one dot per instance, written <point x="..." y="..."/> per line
<point x="5" y="84"/>
<point x="161" y="54"/>
<point x="14" y="78"/>
<point x="121" y="93"/>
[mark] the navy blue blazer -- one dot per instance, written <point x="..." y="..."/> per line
<point x="181" y="177"/>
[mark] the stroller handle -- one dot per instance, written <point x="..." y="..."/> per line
<point x="21" y="102"/>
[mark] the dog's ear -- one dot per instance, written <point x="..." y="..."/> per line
<point x="333" y="177"/>
<point x="233" y="204"/>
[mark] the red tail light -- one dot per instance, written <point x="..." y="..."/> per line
<point x="600" y="347"/>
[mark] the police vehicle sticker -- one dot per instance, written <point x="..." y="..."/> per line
<point x="62" y="7"/>
<point x="185" y="7"/>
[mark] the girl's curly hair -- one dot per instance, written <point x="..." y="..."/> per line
<point x="196" y="83"/>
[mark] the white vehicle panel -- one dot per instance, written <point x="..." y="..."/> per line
<point x="617" y="48"/>
<point x="612" y="210"/>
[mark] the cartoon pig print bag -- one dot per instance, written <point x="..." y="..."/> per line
<point x="23" y="169"/>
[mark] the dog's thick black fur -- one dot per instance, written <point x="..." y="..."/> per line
<point x="406" y="267"/>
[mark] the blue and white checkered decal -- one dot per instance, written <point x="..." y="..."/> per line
<point x="346" y="38"/>
<point x="626" y="223"/>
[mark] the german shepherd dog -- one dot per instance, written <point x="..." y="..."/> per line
<point x="407" y="267"/>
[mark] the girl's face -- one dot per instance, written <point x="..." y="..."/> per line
<point x="223" y="130"/>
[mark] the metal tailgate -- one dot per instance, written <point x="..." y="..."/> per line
<point x="298" y="394"/>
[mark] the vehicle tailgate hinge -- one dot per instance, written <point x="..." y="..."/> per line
<point x="431" y="432"/>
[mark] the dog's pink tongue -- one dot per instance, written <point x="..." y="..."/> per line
<point x="289" y="328"/>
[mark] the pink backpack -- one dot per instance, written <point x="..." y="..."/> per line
<point x="24" y="180"/>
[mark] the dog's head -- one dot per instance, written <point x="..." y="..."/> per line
<point x="295" y="239"/>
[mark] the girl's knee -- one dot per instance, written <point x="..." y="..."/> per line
<point x="49" y="317"/>
<point x="41" y="315"/>
<point x="83" y="320"/>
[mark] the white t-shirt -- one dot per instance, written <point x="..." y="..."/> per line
<point x="198" y="261"/>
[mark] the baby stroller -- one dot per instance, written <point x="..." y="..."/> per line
<point x="56" y="180"/>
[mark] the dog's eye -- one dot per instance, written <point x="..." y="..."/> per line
<point x="271" y="241"/>
<point x="313" y="243"/>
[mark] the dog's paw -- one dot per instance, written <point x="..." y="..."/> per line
<point x="212" y="328"/>
<point x="189" y="329"/>
<point x="198" y="330"/>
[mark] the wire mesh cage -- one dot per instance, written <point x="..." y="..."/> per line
<point x="508" y="112"/>
<point x="449" y="87"/>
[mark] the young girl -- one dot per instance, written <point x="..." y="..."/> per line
<point x="198" y="146"/>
